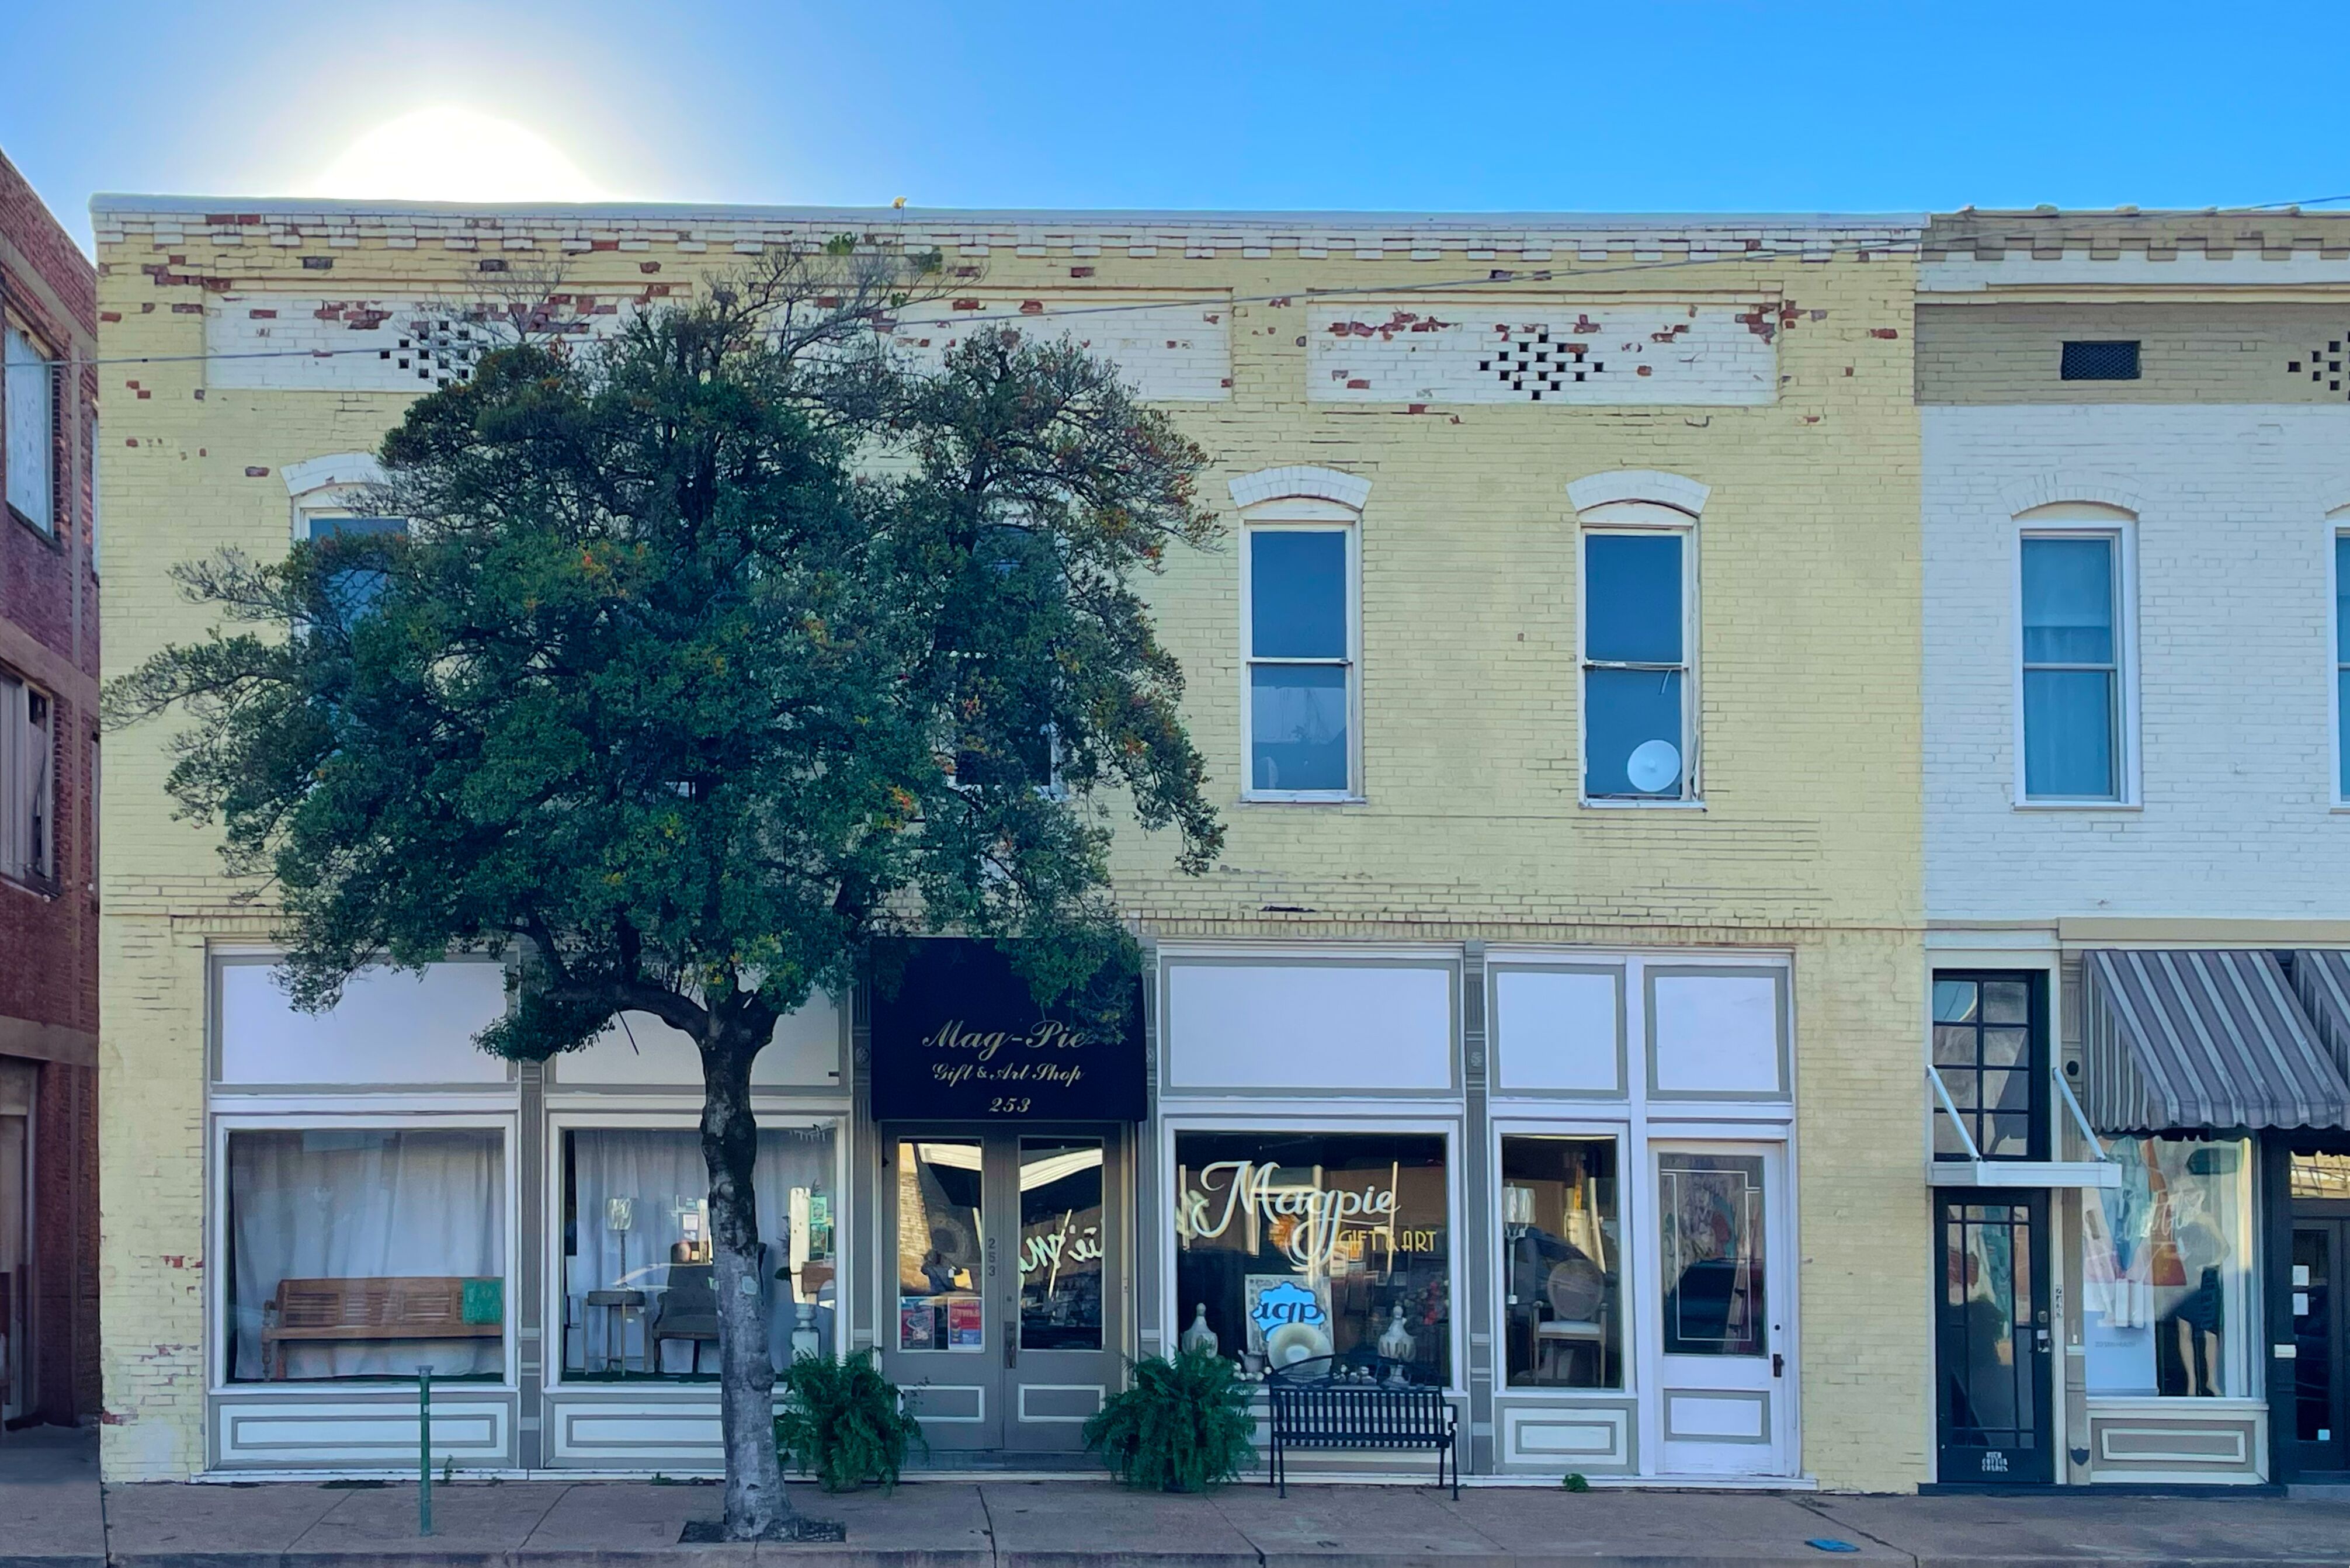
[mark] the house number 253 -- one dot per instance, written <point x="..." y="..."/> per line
<point x="1008" y="1105"/>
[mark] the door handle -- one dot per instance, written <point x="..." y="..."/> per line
<point x="1778" y="1365"/>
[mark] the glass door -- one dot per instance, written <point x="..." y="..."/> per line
<point x="1723" y="1361"/>
<point x="948" y="1333"/>
<point x="1011" y="1285"/>
<point x="2321" y="1433"/>
<point x="1992" y="1339"/>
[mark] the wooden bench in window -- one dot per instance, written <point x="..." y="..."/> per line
<point x="369" y="1311"/>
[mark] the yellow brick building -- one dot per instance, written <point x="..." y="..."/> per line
<point x="1620" y="1038"/>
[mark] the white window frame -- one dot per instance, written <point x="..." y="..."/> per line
<point x="2085" y="520"/>
<point x="53" y="482"/>
<point x="1339" y="1120"/>
<point x="29" y="784"/>
<point x="574" y="1114"/>
<point x="1311" y="515"/>
<point x="1624" y="518"/>
<point x="2337" y="530"/>
<point x="299" y="1117"/>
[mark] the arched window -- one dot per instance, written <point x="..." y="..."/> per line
<point x="2075" y="738"/>
<point x="1638" y="632"/>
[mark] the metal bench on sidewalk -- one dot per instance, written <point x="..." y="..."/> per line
<point x="1314" y="1409"/>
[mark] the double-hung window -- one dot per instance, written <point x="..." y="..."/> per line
<point x="2342" y="662"/>
<point x="1639" y="707"/>
<point x="27" y="793"/>
<point x="1302" y="668"/>
<point x="28" y="402"/>
<point x="2074" y="737"/>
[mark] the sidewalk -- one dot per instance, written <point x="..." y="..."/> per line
<point x="49" y="1507"/>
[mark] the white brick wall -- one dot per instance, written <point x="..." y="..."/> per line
<point x="1169" y="351"/>
<point x="2236" y="661"/>
<point x="1485" y="351"/>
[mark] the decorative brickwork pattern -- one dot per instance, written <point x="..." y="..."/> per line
<point x="1476" y="352"/>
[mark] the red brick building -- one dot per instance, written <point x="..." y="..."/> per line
<point x="48" y="846"/>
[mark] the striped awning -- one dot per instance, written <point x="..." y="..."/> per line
<point x="2321" y="978"/>
<point x="2211" y="1038"/>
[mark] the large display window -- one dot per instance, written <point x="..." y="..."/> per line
<point x="638" y="1301"/>
<point x="2166" y="1269"/>
<point x="1294" y="1245"/>
<point x="1562" y="1250"/>
<point x="365" y="1252"/>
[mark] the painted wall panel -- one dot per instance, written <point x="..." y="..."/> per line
<point x="1327" y="1027"/>
<point x="389" y="1028"/>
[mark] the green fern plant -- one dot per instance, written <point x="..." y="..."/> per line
<point x="845" y="1423"/>
<point x="1183" y="1425"/>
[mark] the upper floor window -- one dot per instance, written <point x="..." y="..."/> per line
<point x="1303" y="696"/>
<point x="28" y="401"/>
<point x="1991" y="1052"/>
<point x="2075" y="643"/>
<point x="2341" y="660"/>
<point x="1639" y="633"/>
<point x="27" y="791"/>
<point x="331" y="496"/>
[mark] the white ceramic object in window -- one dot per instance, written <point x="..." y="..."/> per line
<point x="1330" y="1028"/>
<point x="1558" y="1030"/>
<point x="390" y="1027"/>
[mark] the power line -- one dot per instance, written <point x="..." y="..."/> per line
<point x="1496" y="277"/>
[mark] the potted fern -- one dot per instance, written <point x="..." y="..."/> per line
<point x="1183" y="1425"/>
<point x="845" y="1423"/>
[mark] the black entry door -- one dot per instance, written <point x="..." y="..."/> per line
<point x="2321" y="1432"/>
<point x="1993" y="1338"/>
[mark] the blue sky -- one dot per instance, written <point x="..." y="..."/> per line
<point x="1699" y="105"/>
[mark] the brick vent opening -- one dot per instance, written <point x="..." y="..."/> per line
<point x="2100" y="362"/>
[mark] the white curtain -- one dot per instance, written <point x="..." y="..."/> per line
<point x="656" y="1173"/>
<point x="363" y="1203"/>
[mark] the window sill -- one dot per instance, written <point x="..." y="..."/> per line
<point x="1611" y="804"/>
<point x="1302" y="799"/>
<point x="49" y="536"/>
<point x="2078" y="805"/>
<point x="39" y="888"/>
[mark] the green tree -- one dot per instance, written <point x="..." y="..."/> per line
<point x="709" y="653"/>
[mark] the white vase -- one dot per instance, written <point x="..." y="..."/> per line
<point x="1397" y="1343"/>
<point x="805" y="1341"/>
<point x="1200" y="1336"/>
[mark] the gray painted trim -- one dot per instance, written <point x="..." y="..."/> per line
<point x="1650" y="975"/>
<point x="1497" y="1052"/>
<point x="1518" y="1405"/>
<point x="1168" y="1090"/>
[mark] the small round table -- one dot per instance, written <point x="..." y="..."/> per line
<point x="616" y="1305"/>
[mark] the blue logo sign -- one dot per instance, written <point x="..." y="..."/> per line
<point x="1284" y="1303"/>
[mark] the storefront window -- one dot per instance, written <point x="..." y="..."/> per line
<point x="2165" y="1270"/>
<point x="1563" y="1254"/>
<point x="637" y="1276"/>
<point x="1060" y="1243"/>
<point x="366" y="1252"/>
<point x="1296" y="1245"/>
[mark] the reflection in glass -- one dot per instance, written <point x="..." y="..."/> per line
<point x="1982" y="1047"/>
<point x="336" y="1236"/>
<point x="1060" y="1244"/>
<point x="1562" y="1250"/>
<point x="940" y="1241"/>
<point x="638" y="1274"/>
<point x="1712" y="1210"/>
<point x="2312" y="1333"/>
<point x="1295" y="1245"/>
<point x="1297" y="727"/>
<point x="1632" y="599"/>
<point x="1989" y="1394"/>
<point x="2165" y="1284"/>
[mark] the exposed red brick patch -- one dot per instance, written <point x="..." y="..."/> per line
<point x="1883" y="332"/>
<point x="110" y="315"/>
<point x="256" y="473"/>
<point x="1081" y="272"/>
<point x="649" y="266"/>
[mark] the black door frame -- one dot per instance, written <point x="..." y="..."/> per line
<point x="2275" y="1219"/>
<point x="2034" y="1337"/>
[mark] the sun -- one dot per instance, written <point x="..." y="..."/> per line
<point x="445" y="153"/>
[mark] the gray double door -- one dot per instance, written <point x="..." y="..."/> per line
<point x="1009" y="1280"/>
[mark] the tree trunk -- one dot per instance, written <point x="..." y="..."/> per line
<point x="755" y="1506"/>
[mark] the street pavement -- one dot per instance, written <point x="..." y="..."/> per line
<point x="52" y="1515"/>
